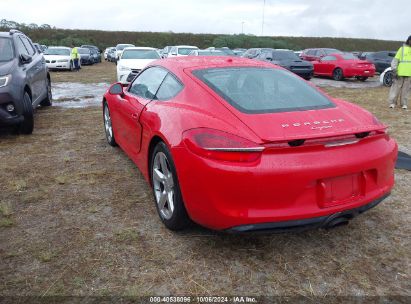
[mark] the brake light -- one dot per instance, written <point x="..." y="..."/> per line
<point x="221" y="145"/>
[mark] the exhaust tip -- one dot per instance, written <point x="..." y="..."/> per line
<point x="337" y="222"/>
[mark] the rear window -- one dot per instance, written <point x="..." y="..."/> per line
<point x="61" y="52"/>
<point x="140" y="54"/>
<point x="348" y="57"/>
<point x="263" y="90"/>
<point x="6" y="49"/>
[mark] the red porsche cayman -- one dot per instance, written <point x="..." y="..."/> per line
<point x="239" y="145"/>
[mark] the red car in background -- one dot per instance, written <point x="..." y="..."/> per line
<point x="340" y="66"/>
<point x="240" y="145"/>
<point x="318" y="53"/>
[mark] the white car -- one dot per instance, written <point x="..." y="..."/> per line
<point x="181" y="50"/>
<point x="386" y="77"/>
<point x="120" y="47"/>
<point x="58" y="57"/>
<point x="133" y="60"/>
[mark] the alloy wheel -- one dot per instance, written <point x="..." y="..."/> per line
<point x="163" y="183"/>
<point x="107" y="123"/>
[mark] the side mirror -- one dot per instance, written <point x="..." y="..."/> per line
<point x="25" y="58"/>
<point x="116" y="89"/>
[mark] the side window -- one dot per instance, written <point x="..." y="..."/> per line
<point x="147" y="83"/>
<point x="329" y="58"/>
<point x="169" y="88"/>
<point x="173" y="50"/>
<point x="28" y="46"/>
<point x="21" y="49"/>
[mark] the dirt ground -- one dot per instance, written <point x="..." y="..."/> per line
<point x="77" y="218"/>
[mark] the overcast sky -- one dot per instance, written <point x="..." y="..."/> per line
<point x="381" y="19"/>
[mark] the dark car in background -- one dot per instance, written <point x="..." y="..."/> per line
<point x="86" y="58"/>
<point x="381" y="60"/>
<point x="288" y="60"/>
<point x="94" y="51"/>
<point x="318" y="53"/>
<point x="24" y="81"/>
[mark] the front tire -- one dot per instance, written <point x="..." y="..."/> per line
<point x="27" y="126"/>
<point x="166" y="189"/>
<point x="338" y="74"/>
<point x="108" y="126"/>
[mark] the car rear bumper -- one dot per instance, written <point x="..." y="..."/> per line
<point x="296" y="184"/>
<point x="329" y="221"/>
<point x="353" y="72"/>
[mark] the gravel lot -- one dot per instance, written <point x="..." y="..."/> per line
<point x="77" y="218"/>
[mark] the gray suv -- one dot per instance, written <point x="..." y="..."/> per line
<point x="24" y="81"/>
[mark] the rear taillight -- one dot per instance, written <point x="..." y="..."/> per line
<point x="220" y="145"/>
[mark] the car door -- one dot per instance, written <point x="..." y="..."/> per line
<point x="28" y="67"/>
<point x="141" y="92"/>
<point x="39" y="65"/>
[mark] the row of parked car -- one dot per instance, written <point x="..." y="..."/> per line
<point x="326" y="62"/>
<point x="59" y="57"/>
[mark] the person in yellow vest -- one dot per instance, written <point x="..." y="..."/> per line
<point x="401" y="69"/>
<point x="76" y="58"/>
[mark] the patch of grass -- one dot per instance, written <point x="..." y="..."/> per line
<point x="6" y="222"/>
<point x="47" y="256"/>
<point x="6" y="209"/>
<point x="20" y="185"/>
<point x="61" y="180"/>
<point x="127" y="235"/>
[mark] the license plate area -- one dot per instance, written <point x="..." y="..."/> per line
<point x="340" y="190"/>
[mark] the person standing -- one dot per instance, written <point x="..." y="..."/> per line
<point x="401" y="69"/>
<point x="76" y="58"/>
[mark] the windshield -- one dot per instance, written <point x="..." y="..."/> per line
<point x="60" y="52"/>
<point x="6" y="49"/>
<point x="83" y="51"/>
<point x="121" y="47"/>
<point x="185" y="51"/>
<point x="140" y="54"/>
<point x="263" y="90"/>
<point x="279" y="55"/>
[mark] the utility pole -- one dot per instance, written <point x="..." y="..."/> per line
<point x="242" y="27"/>
<point x="262" y="25"/>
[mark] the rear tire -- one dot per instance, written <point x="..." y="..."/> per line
<point x="27" y="126"/>
<point x="48" y="100"/>
<point x="387" y="80"/>
<point x="338" y="74"/>
<point x="166" y="189"/>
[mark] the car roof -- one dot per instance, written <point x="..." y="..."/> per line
<point x="59" y="47"/>
<point x="178" y="64"/>
<point x="186" y="46"/>
<point x="140" y="48"/>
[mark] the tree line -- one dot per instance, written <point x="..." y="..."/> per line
<point x="50" y="35"/>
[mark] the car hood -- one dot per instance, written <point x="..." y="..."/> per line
<point x="56" y="57"/>
<point x="135" y="63"/>
<point x="6" y="67"/>
<point x="345" y="118"/>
